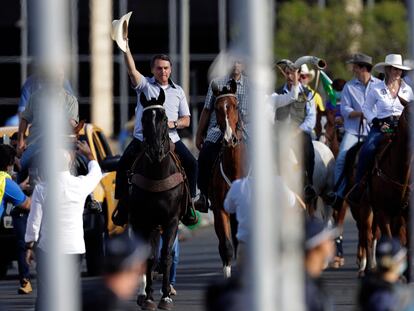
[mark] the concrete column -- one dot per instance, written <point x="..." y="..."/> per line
<point x="101" y="65"/>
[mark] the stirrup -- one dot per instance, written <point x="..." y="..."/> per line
<point x="190" y="217"/>
<point x="201" y="204"/>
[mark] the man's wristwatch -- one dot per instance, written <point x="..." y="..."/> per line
<point x="175" y="124"/>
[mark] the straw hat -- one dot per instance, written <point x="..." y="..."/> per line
<point x="304" y="70"/>
<point x="119" y="31"/>
<point x="394" y="60"/>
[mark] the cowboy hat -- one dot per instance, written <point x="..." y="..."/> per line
<point x="304" y="70"/>
<point x="394" y="60"/>
<point x="119" y="31"/>
<point x="360" y="58"/>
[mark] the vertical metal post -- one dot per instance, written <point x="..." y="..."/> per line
<point x="276" y="265"/>
<point x="23" y="41"/>
<point x="222" y="16"/>
<point x="264" y="240"/>
<point x="172" y="34"/>
<point x="51" y="46"/>
<point x="123" y="78"/>
<point x="74" y="68"/>
<point x="410" y="6"/>
<point x="185" y="46"/>
<point x="102" y="68"/>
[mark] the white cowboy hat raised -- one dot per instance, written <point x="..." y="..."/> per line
<point x="119" y="31"/>
<point x="393" y="60"/>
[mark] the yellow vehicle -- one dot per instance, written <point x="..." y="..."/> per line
<point x="97" y="225"/>
<point x="105" y="191"/>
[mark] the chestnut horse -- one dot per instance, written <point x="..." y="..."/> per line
<point x="157" y="196"/>
<point x="362" y="214"/>
<point x="228" y="167"/>
<point x="391" y="182"/>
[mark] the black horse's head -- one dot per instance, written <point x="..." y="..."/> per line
<point x="155" y="127"/>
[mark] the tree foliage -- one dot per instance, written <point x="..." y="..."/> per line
<point x="304" y="29"/>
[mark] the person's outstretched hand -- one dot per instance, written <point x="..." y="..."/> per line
<point x="83" y="148"/>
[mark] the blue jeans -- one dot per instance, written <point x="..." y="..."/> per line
<point x="19" y="224"/>
<point x="348" y="141"/>
<point x="189" y="164"/>
<point x="175" y="259"/>
<point x="27" y="161"/>
<point x="367" y="154"/>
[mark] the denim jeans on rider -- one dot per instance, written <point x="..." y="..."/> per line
<point x="19" y="224"/>
<point x="208" y="154"/>
<point x="348" y="141"/>
<point x="189" y="164"/>
<point x="367" y="154"/>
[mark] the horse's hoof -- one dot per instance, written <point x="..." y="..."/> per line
<point x="337" y="262"/>
<point x="149" y="305"/>
<point x="140" y="299"/>
<point x="166" y="303"/>
<point x="227" y="272"/>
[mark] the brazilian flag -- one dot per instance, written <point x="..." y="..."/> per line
<point x="327" y="86"/>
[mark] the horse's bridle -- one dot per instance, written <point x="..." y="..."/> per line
<point x="163" y="141"/>
<point x="154" y="107"/>
<point x="235" y="140"/>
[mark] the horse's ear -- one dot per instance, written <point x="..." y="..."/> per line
<point x="233" y="86"/>
<point x="215" y="88"/>
<point x="143" y="99"/>
<point x="161" y="97"/>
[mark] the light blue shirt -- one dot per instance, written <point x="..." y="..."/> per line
<point x="352" y="99"/>
<point x="310" y="119"/>
<point x="175" y="104"/>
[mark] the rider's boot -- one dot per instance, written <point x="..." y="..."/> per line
<point x="190" y="217"/>
<point x="334" y="200"/>
<point x="201" y="204"/>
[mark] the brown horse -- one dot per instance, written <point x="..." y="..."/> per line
<point x="390" y="181"/>
<point x="362" y="214"/>
<point x="228" y="167"/>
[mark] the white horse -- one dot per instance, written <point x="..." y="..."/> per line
<point x="323" y="178"/>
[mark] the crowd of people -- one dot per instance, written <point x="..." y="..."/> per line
<point x="366" y="108"/>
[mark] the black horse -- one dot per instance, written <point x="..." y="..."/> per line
<point x="157" y="196"/>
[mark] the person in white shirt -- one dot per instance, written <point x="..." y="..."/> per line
<point x="383" y="106"/>
<point x="73" y="191"/>
<point x="239" y="201"/>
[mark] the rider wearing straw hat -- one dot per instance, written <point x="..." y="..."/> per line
<point x="383" y="106"/>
